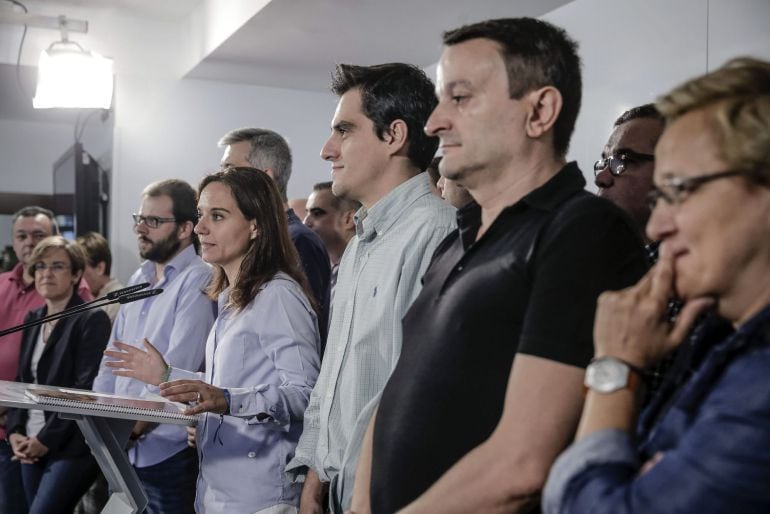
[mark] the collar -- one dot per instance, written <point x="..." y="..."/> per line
<point x="74" y="301"/>
<point x="17" y="275"/>
<point x="468" y="222"/>
<point x="383" y="214"/>
<point x="755" y="323"/>
<point x="179" y="262"/>
<point x="567" y="181"/>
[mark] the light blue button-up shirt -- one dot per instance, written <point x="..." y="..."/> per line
<point x="379" y="278"/>
<point x="266" y="355"/>
<point x="176" y="322"/>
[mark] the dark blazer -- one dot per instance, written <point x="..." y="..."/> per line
<point x="70" y="359"/>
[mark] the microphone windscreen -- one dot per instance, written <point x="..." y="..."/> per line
<point x="141" y="295"/>
<point x="126" y="290"/>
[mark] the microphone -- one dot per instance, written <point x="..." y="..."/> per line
<point x="126" y="290"/>
<point x="141" y="295"/>
<point x="101" y="302"/>
<point x="107" y="299"/>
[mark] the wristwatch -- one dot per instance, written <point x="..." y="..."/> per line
<point x="609" y="374"/>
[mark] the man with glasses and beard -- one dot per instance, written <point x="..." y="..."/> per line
<point x="177" y="323"/>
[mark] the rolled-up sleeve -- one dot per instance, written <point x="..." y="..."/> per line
<point x="612" y="448"/>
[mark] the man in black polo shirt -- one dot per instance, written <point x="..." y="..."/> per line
<point x="488" y="389"/>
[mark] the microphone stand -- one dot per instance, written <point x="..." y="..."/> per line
<point x="126" y="295"/>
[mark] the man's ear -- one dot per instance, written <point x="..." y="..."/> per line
<point x="544" y="107"/>
<point x="100" y="267"/>
<point x="348" y="220"/>
<point x="397" y="136"/>
<point x="269" y="172"/>
<point x="185" y="230"/>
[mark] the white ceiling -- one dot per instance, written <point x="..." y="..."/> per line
<point x="167" y="10"/>
<point x="288" y="43"/>
<point x="295" y="43"/>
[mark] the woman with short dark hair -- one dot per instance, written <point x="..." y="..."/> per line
<point x="57" y="465"/>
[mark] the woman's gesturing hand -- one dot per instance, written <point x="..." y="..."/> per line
<point x="130" y="361"/>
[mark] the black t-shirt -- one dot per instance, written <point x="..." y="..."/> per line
<point x="529" y="285"/>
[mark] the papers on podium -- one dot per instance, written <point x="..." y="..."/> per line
<point x="161" y="410"/>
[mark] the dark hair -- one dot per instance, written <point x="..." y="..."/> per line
<point x="389" y="92"/>
<point x="271" y="250"/>
<point x="32" y="211"/>
<point x="74" y="251"/>
<point x="639" y="112"/>
<point x="96" y="249"/>
<point x="268" y="150"/>
<point x="341" y="204"/>
<point x="536" y="54"/>
<point x="183" y="199"/>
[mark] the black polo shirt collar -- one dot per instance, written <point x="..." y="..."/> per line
<point x="567" y="181"/>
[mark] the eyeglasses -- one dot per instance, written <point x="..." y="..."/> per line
<point x="150" y="221"/>
<point x="675" y="190"/>
<point x="618" y="163"/>
<point x="56" y="267"/>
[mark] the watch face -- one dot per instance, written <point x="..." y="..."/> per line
<point x="606" y="375"/>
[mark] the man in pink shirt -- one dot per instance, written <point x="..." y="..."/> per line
<point x="17" y="297"/>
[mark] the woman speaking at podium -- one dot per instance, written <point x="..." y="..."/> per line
<point x="262" y="355"/>
<point x="57" y="465"/>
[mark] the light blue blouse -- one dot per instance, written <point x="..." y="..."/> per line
<point x="266" y="355"/>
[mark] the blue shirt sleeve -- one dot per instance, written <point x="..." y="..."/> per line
<point x="288" y="336"/>
<point x="713" y="447"/>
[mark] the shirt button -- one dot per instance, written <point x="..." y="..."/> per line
<point x="251" y="455"/>
<point x="460" y="268"/>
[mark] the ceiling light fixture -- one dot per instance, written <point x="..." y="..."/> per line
<point x="68" y="75"/>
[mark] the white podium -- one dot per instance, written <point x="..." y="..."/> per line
<point x="106" y="434"/>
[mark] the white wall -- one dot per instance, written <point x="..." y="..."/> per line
<point x="635" y="50"/>
<point x="737" y="27"/>
<point x="169" y="128"/>
<point x="29" y="150"/>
